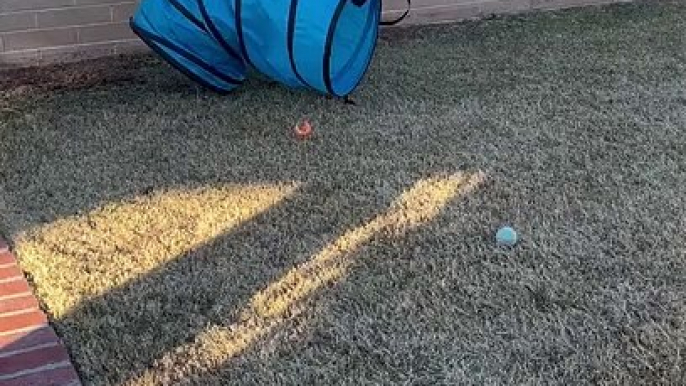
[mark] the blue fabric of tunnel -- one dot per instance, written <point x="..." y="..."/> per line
<point x="325" y="45"/>
<point x="353" y="43"/>
<point x="172" y="29"/>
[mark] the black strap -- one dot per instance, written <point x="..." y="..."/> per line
<point x="290" y="38"/>
<point x="328" y="46"/>
<point x="348" y="101"/>
<point x="238" y="9"/>
<point x="149" y="37"/>
<point x="187" y="14"/>
<point x="156" y="47"/>
<point x="214" y="31"/>
<point x="401" y="18"/>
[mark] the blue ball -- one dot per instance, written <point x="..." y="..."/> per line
<point x="506" y="237"/>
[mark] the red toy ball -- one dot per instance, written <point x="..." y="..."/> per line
<point x="303" y="130"/>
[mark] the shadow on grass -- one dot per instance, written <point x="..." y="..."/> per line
<point x="116" y="149"/>
<point x="284" y="299"/>
<point x="118" y="335"/>
<point x="536" y="105"/>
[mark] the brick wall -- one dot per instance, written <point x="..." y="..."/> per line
<point x="46" y="31"/>
<point x="438" y="11"/>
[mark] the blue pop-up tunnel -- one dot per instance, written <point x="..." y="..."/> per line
<point x="325" y="45"/>
<point x="167" y="28"/>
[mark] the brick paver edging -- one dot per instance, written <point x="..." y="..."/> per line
<point x="31" y="354"/>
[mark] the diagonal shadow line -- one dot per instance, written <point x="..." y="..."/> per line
<point x="285" y="298"/>
<point x="117" y="335"/>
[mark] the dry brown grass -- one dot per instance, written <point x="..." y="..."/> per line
<point x="126" y="240"/>
<point x="177" y="235"/>
<point x="284" y="299"/>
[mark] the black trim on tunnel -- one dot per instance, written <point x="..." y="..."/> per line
<point x="214" y="31"/>
<point x="292" y="13"/>
<point x="328" y="47"/>
<point x="187" y="14"/>
<point x="239" y="32"/>
<point x="156" y="43"/>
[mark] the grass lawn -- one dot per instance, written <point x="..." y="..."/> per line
<point x="177" y="236"/>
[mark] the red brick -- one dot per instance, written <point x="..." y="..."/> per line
<point x="6" y="258"/>
<point x="33" y="359"/>
<point x="20" y="321"/>
<point x="24" y="340"/>
<point x="65" y="376"/>
<point x="10" y="271"/>
<point x="17" y="304"/>
<point x="14" y="287"/>
<point x="3" y="244"/>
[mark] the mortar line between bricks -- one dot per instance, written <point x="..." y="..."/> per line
<point x="19" y="312"/>
<point x="51" y="342"/>
<point x="29" y="349"/>
<point x="25" y="329"/>
<point x="67" y="46"/>
<point x="11" y="279"/>
<point x="14" y="296"/>
<point x="52" y="9"/>
<point x="23" y="373"/>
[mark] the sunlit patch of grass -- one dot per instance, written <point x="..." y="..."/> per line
<point x="282" y="299"/>
<point x="82" y="256"/>
<point x="576" y="117"/>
